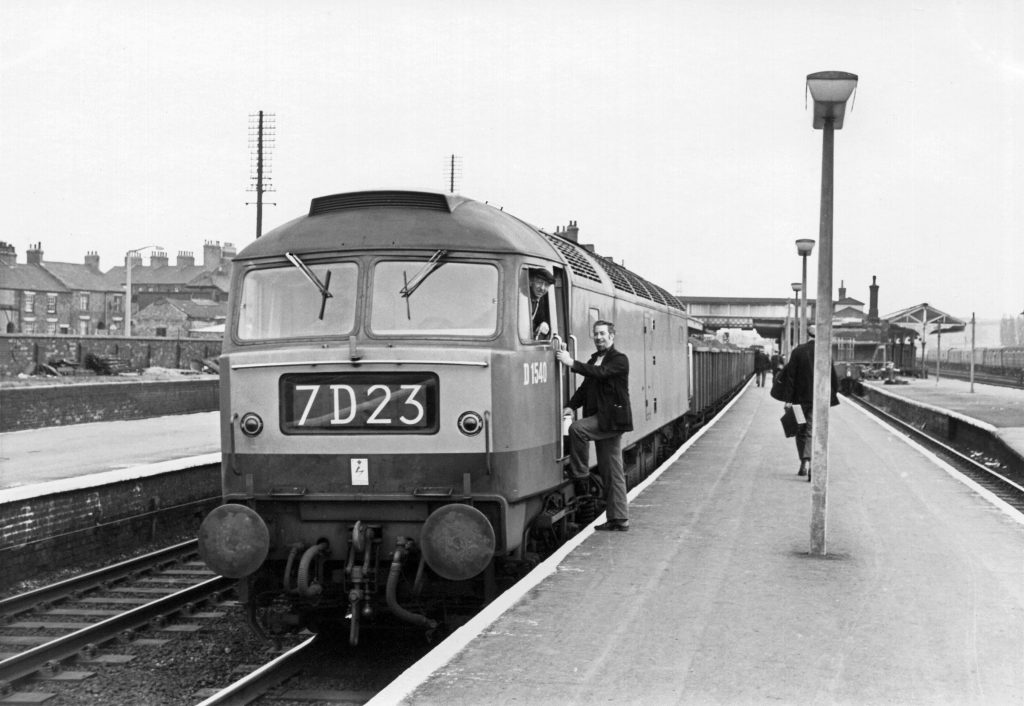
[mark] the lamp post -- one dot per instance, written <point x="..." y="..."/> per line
<point x="972" y="351"/>
<point x="128" y="257"/>
<point x="830" y="91"/>
<point x="797" y="289"/>
<point x="804" y="247"/>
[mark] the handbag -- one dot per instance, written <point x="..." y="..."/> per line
<point x="789" y="424"/>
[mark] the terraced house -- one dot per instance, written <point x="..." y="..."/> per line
<point x="43" y="297"/>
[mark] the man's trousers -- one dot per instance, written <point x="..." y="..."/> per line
<point x="609" y="462"/>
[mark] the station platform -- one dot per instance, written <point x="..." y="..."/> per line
<point x="34" y="462"/>
<point x="713" y="596"/>
<point x="999" y="410"/>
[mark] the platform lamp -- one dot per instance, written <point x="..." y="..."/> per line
<point x="804" y="247"/>
<point x="797" y="289"/>
<point x="128" y="257"/>
<point x="830" y="91"/>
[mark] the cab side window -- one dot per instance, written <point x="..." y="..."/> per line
<point x="535" y="305"/>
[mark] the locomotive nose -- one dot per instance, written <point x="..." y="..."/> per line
<point x="233" y="540"/>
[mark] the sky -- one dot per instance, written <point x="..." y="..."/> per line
<point x="676" y="133"/>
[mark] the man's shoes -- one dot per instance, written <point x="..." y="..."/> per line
<point x="613" y="526"/>
<point x="805" y="469"/>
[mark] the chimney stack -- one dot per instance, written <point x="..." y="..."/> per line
<point x="185" y="259"/>
<point x="158" y="259"/>
<point x="92" y="260"/>
<point x="572" y="232"/>
<point x="211" y="254"/>
<point x="227" y="252"/>
<point x="34" y="254"/>
<point x="8" y="255"/>
<point x="842" y="290"/>
<point x="873" y="306"/>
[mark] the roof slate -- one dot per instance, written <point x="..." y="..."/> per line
<point x="29" y="277"/>
<point x="79" y="277"/>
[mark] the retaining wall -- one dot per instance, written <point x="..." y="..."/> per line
<point x="21" y="353"/>
<point x="33" y="407"/>
<point x="48" y="533"/>
<point x="959" y="432"/>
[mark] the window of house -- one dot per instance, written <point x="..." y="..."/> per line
<point x="161" y="331"/>
<point x="65" y="329"/>
<point x="51" y="328"/>
<point x="30" y="302"/>
<point x="51" y="303"/>
<point x="83" y="301"/>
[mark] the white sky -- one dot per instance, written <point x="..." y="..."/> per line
<point x="675" y="133"/>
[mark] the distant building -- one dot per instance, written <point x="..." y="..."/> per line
<point x="56" y="297"/>
<point x="183" y="280"/>
<point x="44" y="297"/>
<point x="847" y="309"/>
<point x="176" y="318"/>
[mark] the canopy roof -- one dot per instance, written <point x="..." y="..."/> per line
<point x="923" y="315"/>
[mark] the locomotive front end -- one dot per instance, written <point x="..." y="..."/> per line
<point x="364" y="475"/>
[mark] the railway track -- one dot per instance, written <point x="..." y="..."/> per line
<point x="1014" y="381"/>
<point x="1004" y="480"/>
<point x="73" y="619"/>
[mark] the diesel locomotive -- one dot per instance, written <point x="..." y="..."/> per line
<point x="392" y="430"/>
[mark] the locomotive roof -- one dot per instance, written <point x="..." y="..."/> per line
<point x="369" y="220"/>
<point x="380" y="220"/>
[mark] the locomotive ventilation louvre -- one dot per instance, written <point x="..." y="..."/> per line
<point x="628" y="282"/>
<point x="622" y="278"/>
<point x="379" y="199"/>
<point x="577" y="260"/>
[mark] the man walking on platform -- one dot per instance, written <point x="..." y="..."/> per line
<point x="798" y="388"/>
<point x="762" y="364"/>
<point x="604" y="396"/>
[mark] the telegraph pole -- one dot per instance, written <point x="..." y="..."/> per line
<point x="454" y="169"/>
<point x="261" y="142"/>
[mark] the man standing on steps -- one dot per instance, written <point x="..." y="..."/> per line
<point x="604" y="397"/>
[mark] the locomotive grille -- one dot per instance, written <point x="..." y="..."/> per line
<point x="578" y="262"/>
<point x="618" y="277"/>
<point x="379" y="199"/>
<point x="629" y="282"/>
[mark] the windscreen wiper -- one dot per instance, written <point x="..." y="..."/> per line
<point x="323" y="287"/>
<point x="420" y="277"/>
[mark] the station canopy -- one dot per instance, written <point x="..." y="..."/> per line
<point x="925" y="316"/>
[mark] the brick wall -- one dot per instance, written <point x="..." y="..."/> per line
<point x="20" y="353"/>
<point x="56" y="405"/>
<point x="55" y="531"/>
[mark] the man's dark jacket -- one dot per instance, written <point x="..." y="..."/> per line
<point x="605" y="391"/>
<point x="797" y="378"/>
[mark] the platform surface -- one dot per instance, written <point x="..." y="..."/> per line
<point x="713" y="597"/>
<point x="50" y="454"/>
